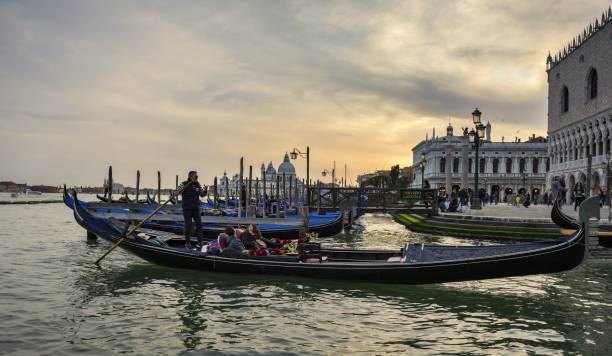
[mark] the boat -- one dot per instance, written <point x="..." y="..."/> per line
<point x="413" y="264"/>
<point x="31" y="193"/>
<point x="14" y="195"/>
<point x="327" y="225"/>
<point x="562" y="220"/>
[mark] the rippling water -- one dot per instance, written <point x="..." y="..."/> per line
<point x="55" y="301"/>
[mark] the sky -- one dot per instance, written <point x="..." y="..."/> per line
<point x="180" y="85"/>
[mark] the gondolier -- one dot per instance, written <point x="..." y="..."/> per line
<point x="191" y="193"/>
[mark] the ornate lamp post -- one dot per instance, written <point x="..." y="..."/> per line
<point x="294" y="155"/>
<point x="476" y="135"/>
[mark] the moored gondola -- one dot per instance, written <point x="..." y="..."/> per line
<point x="415" y="264"/>
<point x="562" y="220"/>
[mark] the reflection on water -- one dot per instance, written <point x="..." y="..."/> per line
<point x="59" y="302"/>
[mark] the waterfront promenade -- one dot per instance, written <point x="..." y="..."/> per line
<point x="533" y="212"/>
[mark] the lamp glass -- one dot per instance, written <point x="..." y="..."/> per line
<point x="293" y="154"/>
<point x="476" y="116"/>
<point x="481" y="131"/>
<point x="324" y="173"/>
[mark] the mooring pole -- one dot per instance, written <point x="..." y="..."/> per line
<point x="158" y="187"/>
<point x="110" y="184"/>
<point x="263" y="197"/>
<point x="137" y="185"/>
<point x="290" y="190"/>
<point x="319" y="197"/>
<point x="216" y="194"/>
<point x="256" y="192"/>
<point x="241" y="186"/>
<point x="250" y="185"/>
<point x="278" y="195"/>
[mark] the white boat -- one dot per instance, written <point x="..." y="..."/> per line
<point x="30" y="192"/>
<point x="15" y="195"/>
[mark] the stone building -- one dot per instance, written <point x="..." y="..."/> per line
<point x="229" y="185"/>
<point x="504" y="167"/>
<point x="580" y="107"/>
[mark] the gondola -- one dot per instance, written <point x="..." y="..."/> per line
<point x="568" y="223"/>
<point x="325" y="228"/>
<point x="562" y="220"/>
<point x="414" y="264"/>
<point x="327" y="225"/>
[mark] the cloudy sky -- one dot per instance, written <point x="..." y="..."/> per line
<point x="197" y="84"/>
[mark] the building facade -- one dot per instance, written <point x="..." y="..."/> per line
<point x="580" y="108"/>
<point x="230" y="185"/>
<point x="504" y="167"/>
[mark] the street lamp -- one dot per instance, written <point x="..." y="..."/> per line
<point x="476" y="136"/>
<point x="294" y="155"/>
<point x="422" y="164"/>
<point x="332" y="172"/>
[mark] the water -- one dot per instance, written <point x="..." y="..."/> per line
<point x="54" y="301"/>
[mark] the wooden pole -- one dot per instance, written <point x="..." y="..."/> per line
<point x="250" y="185"/>
<point x="241" y="187"/>
<point x="131" y="231"/>
<point x="216" y="195"/>
<point x="158" y="187"/>
<point x="277" y="195"/>
<point x="284" y="187"/>
<point x="137" y="186"/>
<point x="308" y="176"/>
<point x="110" y="184"/>
<point x="256" y="192"/>
<point x="319" y="197"/>
<point x="290" y="190"/>
<point x="263" y="197"/>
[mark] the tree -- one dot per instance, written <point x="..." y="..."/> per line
<point x="394" y="175"/>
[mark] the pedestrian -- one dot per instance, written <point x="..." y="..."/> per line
<point x="192" y="191"/>
<point x="578" y="195"/>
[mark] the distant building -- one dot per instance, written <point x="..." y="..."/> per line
<point x="45" y="188"/>
<point x="580" y="107"/>
<point x="362" y="178"/>
<point x="504" y="167"/>
<point x="229" y="186"/>
<point x="8" y="187"/>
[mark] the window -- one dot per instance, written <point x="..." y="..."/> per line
<point x="547" y="164"/>
<point x="442" y="165"/>
<point x="456" y="165"/>
<point x="481" y="165"/>
<point x="522" y="165"/>
<point x="592" y="85"/>
<point x="536" y="163"/>
<point x="509" y="165"/>
<point x="564" y="99"/>
<point x="496" y="165"/>
<point x="470" y="165"/>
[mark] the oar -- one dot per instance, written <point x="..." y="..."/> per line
<point x="142" y="222"/>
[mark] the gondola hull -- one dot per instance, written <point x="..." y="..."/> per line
<point x="502" y="261"/>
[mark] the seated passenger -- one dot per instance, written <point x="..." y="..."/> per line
<point x="230" y="246"/>
<point x="252" y="239"/>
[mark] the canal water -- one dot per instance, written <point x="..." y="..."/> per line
<point x="54" y="301"/>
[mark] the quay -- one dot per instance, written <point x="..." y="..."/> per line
<point x="30" y="202"/>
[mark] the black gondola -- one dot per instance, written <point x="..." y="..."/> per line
<point x="329" y="229"/>
<point x="415" y="264"/>
<point x="562" y="220"/>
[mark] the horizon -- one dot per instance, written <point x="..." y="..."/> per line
<point x="197" y="86"/>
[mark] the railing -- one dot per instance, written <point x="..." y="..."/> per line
<point x="372" y="199"/>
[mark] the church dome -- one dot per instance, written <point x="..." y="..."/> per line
<point x="286" y="167"/>
<point x="270" y="170"/>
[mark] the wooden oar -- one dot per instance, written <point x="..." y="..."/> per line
<point x="142" y="222"/>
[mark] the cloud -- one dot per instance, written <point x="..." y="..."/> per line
<point x="173" y="86"/>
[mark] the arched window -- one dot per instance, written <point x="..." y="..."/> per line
<point x="442" y="165"/>
<point x="481" y="165"/>
<point x="495" y="165"/>
<point x="470" y="165"/>
<point x="509" y="165"/>
<point x="592" y="85"/>
<point x="456" y="165"/>
<point x="535" y="163"/>
<point x="521" y="165"/>
<point x="547" y="164"/>
<point x="565" y="99"/>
